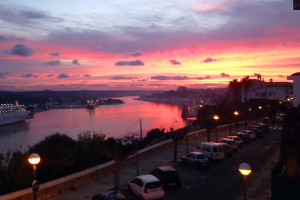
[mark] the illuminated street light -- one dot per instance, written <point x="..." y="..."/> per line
<point x="34" y="159"/>
<point x="259" y="107"/>
<point x="216" y="117"/>
<point x="245" y="170"/>
<point x="236" y="113"/>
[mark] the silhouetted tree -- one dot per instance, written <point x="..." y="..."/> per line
<point x="247" y="83"/>
<point x="205" y="120"/>
<point x="118" y="153"/>
<point x="236" y="88"/>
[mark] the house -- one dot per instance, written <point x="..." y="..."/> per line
<point x="260" y="89"/>
<point x="296" y="88"/>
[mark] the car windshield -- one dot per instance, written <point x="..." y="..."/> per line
<point x="153" y="185"/>
<point x="171" y="173"/>
<point x="200" y="156"/>
<point x="215" y="149"/>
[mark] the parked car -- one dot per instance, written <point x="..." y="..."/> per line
<point x="196" y="159"/>
<point x="265" y="127"/>
<point x="257" y="130"/>
<point x="237" y="139"/>
<point x="251" y="134"/>
<point x="110" y="195"/>
<point x="244" y="136"/>
<point x="212" y="150"/>
<point x="228" y="150"/>
<point x="231" y="142"/>
<point x="167" y="175"/>
<point x="147" y="187"/>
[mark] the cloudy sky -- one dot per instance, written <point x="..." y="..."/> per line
<point x="142" y="44"/>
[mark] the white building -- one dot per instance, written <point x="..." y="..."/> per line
<point x="296" y="88"/>
<point x="268" y="90"/>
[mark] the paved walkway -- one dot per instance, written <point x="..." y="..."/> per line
<point x="260" y="190"/>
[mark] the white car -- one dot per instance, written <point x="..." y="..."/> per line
<point x="147" y="187"/>
<point x="251" y="134"/>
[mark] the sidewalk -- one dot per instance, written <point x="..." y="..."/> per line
<point x="259" y="190"/>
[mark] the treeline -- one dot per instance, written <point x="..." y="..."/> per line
<point x="62" y="155"/>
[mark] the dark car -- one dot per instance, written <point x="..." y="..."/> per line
<point x="244" y="136"/>
<point x="167" y="175"/>
<point x="196" y="159"/>
<point x="227" y="149"/>
<point x="111" y="195"/>
<point x="257" y="130"/>
<point x="237" y="139"/>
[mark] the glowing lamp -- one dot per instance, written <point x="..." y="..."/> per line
<point x="236" y="113"/>
<point x="245" y="169"/>
<point x="216" y="117"/>
<point x="34" y="159"/>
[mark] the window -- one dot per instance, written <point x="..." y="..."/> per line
<point x="153" y="185"/>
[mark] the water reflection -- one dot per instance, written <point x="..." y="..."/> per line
<point x="15" y="128"/>
<point x="112" y="120"/>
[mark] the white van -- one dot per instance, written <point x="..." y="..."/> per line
<point x="212" y="150"/>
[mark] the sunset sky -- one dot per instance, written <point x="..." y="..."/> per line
<point x="145" y="44"/>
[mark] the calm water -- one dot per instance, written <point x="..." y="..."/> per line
<point x="113" y="120"/>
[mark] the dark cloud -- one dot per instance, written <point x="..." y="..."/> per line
<point x="50" y="75"/>
<point x="170" y="77"/>
<point x="131" y="63"/>
<point x="133" y="54"/>
<point x="21" y="16"/>
<point x="32" y="14"/>
<point x="175" y="62"/>
<point x="75" y="62"/>
<point x="53" y="62"/>
<point x="281" y="76"/>
<point x="54" y="54"/>
<point x="20" y="50"/>
<point x="30" y="75"/>
<point x="3" y="75"/>
<point x="63" y="76"/>
<point x="122" y="78"/>
<point x="87" y="75"/>
<point x="202" y="78"/>
<point x="3" y="39"/>
<point x="209" y="59"/>
<point x="224" y="75"/>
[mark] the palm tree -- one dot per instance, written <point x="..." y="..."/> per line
<point x="247" y="83"/>
<point x="236" y="88"/>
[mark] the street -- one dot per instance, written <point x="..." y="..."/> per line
<point x="222" y="180"/>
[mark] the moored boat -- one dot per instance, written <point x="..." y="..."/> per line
<point x="10" y="113"/>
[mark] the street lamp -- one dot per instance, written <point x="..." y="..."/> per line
<point x="245" y="170"/>
<point x="259" y="107"/>
<point x="236" y="113"/>
<point x="216" y="117"/>
<point x="34" y="159"/>
<point x="136" y="137"/>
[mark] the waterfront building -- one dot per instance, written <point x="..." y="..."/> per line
<point x="296" y="88"/>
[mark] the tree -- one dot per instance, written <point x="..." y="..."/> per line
<point x="247" y="83"/>
<point x="118" y="153"/>
<point x="205" y="120"/>
<point x="236" y="88"/>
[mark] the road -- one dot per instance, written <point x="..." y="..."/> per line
<point x="222" y="180"/>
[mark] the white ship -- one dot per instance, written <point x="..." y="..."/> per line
<point x="10" y="113"/>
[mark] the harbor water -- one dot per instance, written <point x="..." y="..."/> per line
<point x="112" y="120"/>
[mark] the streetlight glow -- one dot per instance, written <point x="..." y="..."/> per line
<point x="245" y="169"/>
<point x="216" y="117"/>
<point x="259" y="107"/>
<point x="34" y="159"/>
<point x="236" y="113"/>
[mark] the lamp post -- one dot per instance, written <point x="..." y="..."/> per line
<point x="216" y="117"/>
<point x="245" y="170"/>
<point x="34" y="159"/>
<point x="236" y="113"/>
<point x="136" y="137"/>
